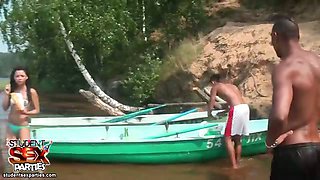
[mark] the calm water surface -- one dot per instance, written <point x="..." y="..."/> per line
<point x="252" y="168"/>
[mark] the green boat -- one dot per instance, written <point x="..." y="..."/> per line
<point x="178" y="143"/>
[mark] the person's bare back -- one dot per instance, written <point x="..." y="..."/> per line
<point x="229" y="93"/>
<point x="303" y="72"/>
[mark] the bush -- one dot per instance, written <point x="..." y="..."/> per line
<point x="139" y="86"/>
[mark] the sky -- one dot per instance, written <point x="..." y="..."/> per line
<point x="3" y="46"/>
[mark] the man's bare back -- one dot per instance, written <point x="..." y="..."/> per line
<point x="229" y="93"/>
<point x="303" y="73"/>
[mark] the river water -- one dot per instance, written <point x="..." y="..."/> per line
<point x="252" y="168"/>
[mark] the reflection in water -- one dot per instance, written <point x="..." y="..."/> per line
<point x="252" y="168"/>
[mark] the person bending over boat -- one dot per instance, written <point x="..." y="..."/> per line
<point x="293" y="133"/>
<point x="238" y="119"/>
<point x="23" y="101"/>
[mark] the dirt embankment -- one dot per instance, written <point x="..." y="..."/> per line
<point x="244" y="54"/>
<point x="241" y="50"/>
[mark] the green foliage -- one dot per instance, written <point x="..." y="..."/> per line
<point x="108" y="36"/>
<point x="177" y="19"/>
<point x="8" y="62"/>
<point x="140" y="83"/>
<point x="98" y="30"/>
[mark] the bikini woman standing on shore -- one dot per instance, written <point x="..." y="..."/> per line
<point x="18" y="125"/>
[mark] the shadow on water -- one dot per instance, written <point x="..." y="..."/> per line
<point x="253" y="168"/>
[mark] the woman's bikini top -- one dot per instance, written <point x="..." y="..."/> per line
<point x="25" y="101"/>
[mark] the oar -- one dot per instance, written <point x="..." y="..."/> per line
<point x="132" y="115"/>
<point x="176" y="116"/>
<point x="181" y="131"/>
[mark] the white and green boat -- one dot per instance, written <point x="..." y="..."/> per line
<point x="190" y="116"/>
<point x="147" y="144"/>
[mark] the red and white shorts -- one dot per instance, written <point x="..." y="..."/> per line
<point x="238" y="120"/>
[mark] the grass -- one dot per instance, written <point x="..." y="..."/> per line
<point x="180" y="58"/>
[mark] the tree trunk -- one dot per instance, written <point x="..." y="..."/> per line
<point x="144" y="21"/>
<point x="95" y="88"/>
<point x="96" y="101"/>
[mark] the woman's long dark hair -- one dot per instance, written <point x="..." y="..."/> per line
<point x="14" y="85"/>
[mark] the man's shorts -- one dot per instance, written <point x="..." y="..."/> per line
<point x="238" y="121"/>
<point x="296" y="161"/>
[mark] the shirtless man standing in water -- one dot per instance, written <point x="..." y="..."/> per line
<point x="239" y="114"/>
<point x="292" y="132"/>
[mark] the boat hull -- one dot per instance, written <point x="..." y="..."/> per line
<point x="154" y="152"/>
<point x="141" y="144"/>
